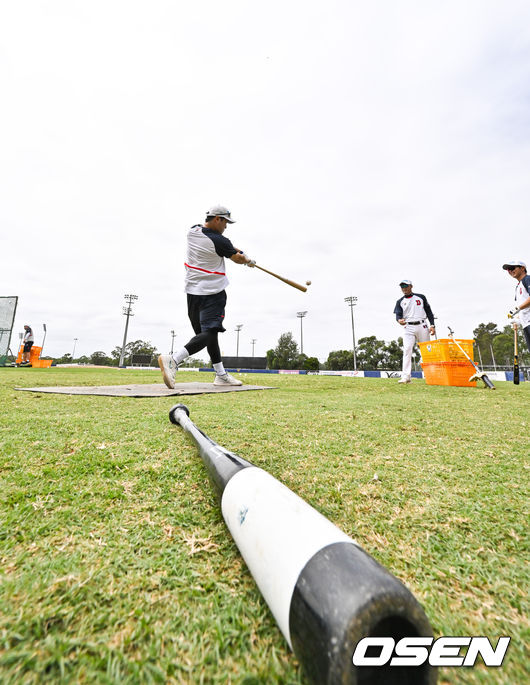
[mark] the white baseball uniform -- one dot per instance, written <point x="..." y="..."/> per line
<point x="416" y="311"/>
<point x="522" y="293"/>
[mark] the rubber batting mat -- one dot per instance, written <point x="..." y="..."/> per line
<point x="146" y="390"/>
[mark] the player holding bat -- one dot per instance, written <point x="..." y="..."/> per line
<point x="515" y="356"/>
<point x="205" y="283"/>
<point x="517" y="270"/>
<point x="205" y="288"/>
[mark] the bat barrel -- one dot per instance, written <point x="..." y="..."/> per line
<point x="342" y="596"/>
<point x="325" y="592"/>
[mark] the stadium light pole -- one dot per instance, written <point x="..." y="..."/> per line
<point x="42" y="346"/>
<point x="253" y="342"/>
<point x="173" y="335"/>
<point x="301" y="315"/>
<point x="239" y="326"/>
<point x="73" y="352"/>
<point x="351" y="302"/>
<point x="129" y="299"/>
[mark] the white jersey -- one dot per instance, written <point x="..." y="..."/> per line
<point x="522" y="293"/>
<point x="28" y="336"/>
<point x="413" y="308"/>
<point x="205" y="264"/>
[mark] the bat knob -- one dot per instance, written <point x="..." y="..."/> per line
<point x="173" y="412"/>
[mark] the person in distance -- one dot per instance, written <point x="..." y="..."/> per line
<point x="412" y="311"/>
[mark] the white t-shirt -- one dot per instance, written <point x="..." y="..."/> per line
<point x="205" y="264"/>
<point x="522" y="293"/>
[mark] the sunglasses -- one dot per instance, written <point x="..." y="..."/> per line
<point x="512" y="268"/>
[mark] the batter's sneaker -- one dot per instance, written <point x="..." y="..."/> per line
<point x="169" y="369"/>
<point x="404" y="379"/>
<point x="226" y="379"/>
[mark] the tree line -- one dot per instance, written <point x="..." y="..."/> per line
<point x="370" y="352"/>
<point x="133" y="349"/>
<point x="493" y="347"/>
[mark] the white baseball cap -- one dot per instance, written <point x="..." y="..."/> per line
<point x="405" y="282"/>
<point x="509" y="265"/>
<point x="223" y="212"/>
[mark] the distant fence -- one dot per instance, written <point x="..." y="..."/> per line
<point x="8" y="308"/>
<point x="141" y="359"/>
<point x="493" y="375"/>
<point x="245" y="362"/>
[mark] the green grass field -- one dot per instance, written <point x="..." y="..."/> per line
<point x="116" y="566"/>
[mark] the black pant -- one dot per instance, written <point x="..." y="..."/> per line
<point x="206" y="339"/>
<point x="206" y="313"/>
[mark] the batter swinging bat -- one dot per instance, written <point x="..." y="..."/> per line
<point x="479" y="374"/>
<point x="515" y="356"/>
<point x="285" y="280"/>
<point x="325" y="592"/>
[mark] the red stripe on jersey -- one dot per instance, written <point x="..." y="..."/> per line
<point x="218" y="273"/>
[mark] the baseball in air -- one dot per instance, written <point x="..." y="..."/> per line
<point x="308" y="282"/>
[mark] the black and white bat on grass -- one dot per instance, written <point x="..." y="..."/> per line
<point x="325" y="592"/>
<point x="478" y="373"/>
<point x="515" y="356"/>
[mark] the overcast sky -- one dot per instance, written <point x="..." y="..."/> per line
<point x="356" y="144"/>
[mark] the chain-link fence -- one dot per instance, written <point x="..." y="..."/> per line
<point x="8" y="307"/>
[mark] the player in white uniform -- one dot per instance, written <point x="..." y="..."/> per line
<point x="205" y="285"/>
<point x="412" y="311"/>
<point x="517" y="269"/>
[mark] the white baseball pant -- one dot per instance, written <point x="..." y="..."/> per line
<point x="412" y="334"/>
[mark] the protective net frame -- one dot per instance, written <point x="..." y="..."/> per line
<point x="8" y="308"/>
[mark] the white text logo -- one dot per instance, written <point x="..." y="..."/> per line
<point x="415" y="651"/>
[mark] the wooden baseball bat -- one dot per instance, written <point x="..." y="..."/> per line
<point x="515" y="356"/>
<point x="285" y="280"/>
<point x="325" y="592"/>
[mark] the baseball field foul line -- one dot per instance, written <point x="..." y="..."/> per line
<point x="325" y="592"/>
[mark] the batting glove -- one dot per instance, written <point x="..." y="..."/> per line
<point x="251" y="263"/>
<point x="513" y="312"/>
